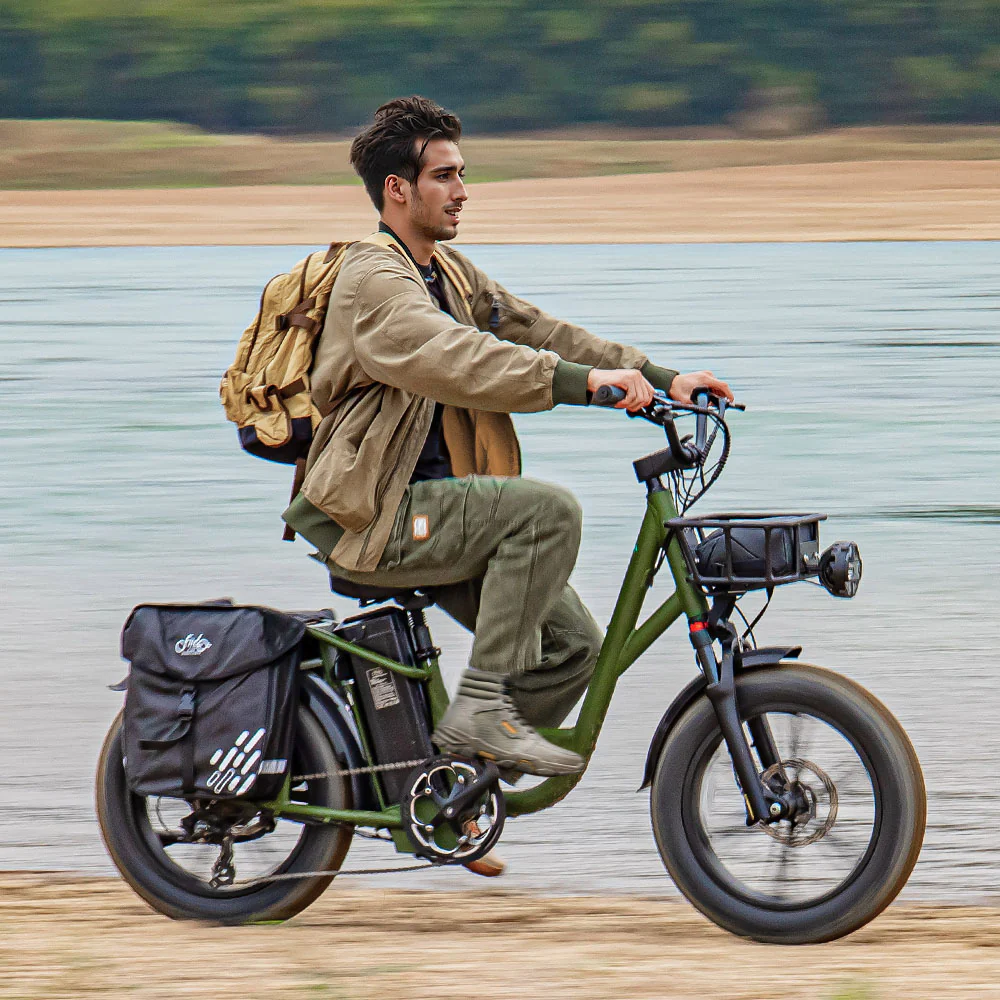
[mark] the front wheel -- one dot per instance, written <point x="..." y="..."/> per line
<point x="224" y="861"/>
<point x="856" y="832"/>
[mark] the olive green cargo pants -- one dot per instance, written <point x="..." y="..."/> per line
<point x="496" y="555"/>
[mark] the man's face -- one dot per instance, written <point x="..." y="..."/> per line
<point x="437" y="196"/>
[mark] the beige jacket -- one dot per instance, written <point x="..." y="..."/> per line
<point x="387" y="352"/>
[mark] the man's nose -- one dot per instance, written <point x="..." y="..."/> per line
<point x="460" y="193"/>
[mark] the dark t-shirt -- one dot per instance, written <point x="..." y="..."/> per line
<point x="434" y="461"/>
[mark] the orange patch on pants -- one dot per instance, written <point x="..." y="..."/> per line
<point x="421" y="527"/>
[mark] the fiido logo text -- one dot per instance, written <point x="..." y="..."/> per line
<point x="192" y="645"/>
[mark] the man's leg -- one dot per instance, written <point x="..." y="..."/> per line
<point x="521" y="538"/>
<point x="571" y="642"/>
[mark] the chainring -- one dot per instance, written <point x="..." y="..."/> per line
<point x="444" y="825"/>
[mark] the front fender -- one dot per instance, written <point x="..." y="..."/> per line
<point x="753" y="659"/>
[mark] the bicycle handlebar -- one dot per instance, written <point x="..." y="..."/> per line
<point x="661" y="412"/>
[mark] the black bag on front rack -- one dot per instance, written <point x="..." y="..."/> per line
<point x="212" y="700"/>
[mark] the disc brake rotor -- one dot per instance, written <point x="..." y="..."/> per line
<point x="816" y="800"/>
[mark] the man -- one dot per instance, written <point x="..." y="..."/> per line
<point x="413" y="478"/>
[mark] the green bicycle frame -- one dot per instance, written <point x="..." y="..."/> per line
<point x="624" y="643"/>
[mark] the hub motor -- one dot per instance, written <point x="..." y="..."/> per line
<point x="452" y="809"/>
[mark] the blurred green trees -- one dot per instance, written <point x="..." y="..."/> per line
<point x="324" y="65"/>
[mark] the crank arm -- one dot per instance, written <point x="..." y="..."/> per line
<point x="454" y="806"/>
<point x="722" y="694"/>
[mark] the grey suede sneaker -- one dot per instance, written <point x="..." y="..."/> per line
<point x="483" y="721"/>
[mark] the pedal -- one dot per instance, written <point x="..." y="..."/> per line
<point x="452" y="809"/>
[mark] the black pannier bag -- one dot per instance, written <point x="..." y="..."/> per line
<point x="212" y="699"/>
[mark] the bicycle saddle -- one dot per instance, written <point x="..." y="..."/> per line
<point x="406" y="597"/>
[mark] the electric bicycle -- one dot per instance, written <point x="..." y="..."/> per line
<point x="787" y="803"/>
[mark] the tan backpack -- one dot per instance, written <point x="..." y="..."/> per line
<point x="265" y="391"/>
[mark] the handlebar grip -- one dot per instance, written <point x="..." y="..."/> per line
<point x="701" y="397"/>
<point x="607" y="395"/>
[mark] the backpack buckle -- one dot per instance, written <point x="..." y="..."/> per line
<point x="185" y="710"/>
<point x="260" y="395"/>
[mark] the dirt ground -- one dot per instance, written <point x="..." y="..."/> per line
<point x="890" y="200"/>
<point x="68" y="937"/>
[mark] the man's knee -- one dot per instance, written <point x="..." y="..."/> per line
<point x="554" y="507"/>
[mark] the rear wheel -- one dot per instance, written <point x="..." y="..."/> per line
<point x="218" y="862"/>
<point x="856" y="831"/>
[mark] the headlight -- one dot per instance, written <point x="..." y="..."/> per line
<point x="840" y="569"/>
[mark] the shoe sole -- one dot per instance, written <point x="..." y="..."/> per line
<point x="523" y="766"/>
<point x="488" y="866"/>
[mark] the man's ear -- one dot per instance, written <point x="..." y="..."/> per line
<point x="394" y="189"/>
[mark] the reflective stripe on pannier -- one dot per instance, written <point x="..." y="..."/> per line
<point x="211" y="700"/>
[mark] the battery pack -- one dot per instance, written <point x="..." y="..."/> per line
<point x="393" y="707"/>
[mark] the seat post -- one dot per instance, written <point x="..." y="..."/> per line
<point x="426" y="650"/>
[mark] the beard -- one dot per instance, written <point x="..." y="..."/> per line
<point x="432" y="229"/>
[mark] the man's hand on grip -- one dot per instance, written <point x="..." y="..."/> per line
<point x="683" y="385"/>
<point x="638" y="392"/>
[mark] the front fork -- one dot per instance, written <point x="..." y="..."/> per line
<point x="763" y="804"/>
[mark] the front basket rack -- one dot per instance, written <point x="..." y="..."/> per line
<point x="733" y="553"/>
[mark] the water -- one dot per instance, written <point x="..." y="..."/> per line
<point x="870" y="374"/>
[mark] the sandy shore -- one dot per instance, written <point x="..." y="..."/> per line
<point x="66" y="937"/>
<point x="892" y="200"/>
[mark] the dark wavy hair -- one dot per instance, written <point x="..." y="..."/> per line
<point x="395" y="142"/>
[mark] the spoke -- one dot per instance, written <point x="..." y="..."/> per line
<point x="841" y="846"/>
<point x="779" y="875"/>
<point x="853" y="779"/>
<point x="797" y="743"/>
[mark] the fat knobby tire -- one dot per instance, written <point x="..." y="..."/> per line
<point x="168" y="889"/>
<point x="897" y="781"/>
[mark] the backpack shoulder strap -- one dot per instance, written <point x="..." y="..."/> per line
<point x="454" y="274"/>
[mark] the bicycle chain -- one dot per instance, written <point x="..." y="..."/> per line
<point x="349" y="772"/>
<point x="333" y="874"/>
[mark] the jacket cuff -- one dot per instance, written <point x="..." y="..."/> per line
<point x="313" y="525"/>
<point x="569" y="383"/>
<point x="658" y="378"/>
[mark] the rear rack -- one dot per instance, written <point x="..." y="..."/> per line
<point x="770" y="549"/>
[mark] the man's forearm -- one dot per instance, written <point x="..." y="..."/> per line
<point x="569" y="382"/>
<point x="658" y="378"/>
